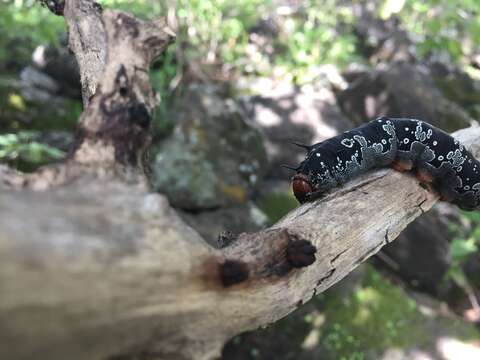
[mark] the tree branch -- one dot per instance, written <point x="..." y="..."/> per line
<point x="103" y="269"/>
<point x="87" y="39"/>
<point x="113" y="131"/>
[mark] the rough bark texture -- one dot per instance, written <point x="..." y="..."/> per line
<point x="87" y="39"/>
<point x="101" y="269"/>
<point x="113" y="131"/>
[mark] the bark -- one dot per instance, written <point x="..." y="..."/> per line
<point x="87" y="40"/>
<point x="99" y="268"/>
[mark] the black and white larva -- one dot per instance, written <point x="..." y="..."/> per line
<point x="404" y="144"/>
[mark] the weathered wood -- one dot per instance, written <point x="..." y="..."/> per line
<point x="97" y="269"/>
<point x="101" y="269"/>
<point x="88" y="41"/>
<point x="113" y="132"/>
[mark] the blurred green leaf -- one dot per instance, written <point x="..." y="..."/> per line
<point x="458" y="276"/>
<point x="461" y="248"/>
<point x="23" y="147"/>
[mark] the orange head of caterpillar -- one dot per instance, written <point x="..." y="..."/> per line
<point x="302" y="187"/>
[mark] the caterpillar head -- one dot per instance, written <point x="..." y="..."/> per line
<point x="312" y="176"/>
<point x="302" y="187"/>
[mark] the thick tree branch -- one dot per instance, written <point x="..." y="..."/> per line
<point x="113" y="131"/>
<point x="101" y="269"/>
<point x="87" y="39"/>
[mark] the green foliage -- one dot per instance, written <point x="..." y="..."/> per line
<point x="319" y="34"/>
<point x="143" y="8"/>
<point x="162" y="78"/>
<point x="464" y="245"/>
<point x="217" y="29"/>
<point x="215" y="33"/>
<point x="440" y="25"/>
<point x="376" y="317"/>
<point x="24" y="24"/>
<point x="22" y="150"/>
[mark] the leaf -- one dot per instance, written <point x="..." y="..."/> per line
<point x="463" y="248"/>
<point x="458" y="276"/>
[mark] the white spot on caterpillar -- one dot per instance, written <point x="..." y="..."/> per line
<point x="455" y="157"/>
<point x="348" y="143"/>
<point x="389" y="128"/>
<point x="361" y="140"/>
<point x="419" y="133"/>
<point x="440" y="158"/>
<point x="406" y="129"/>
<point x="318" y="154"/>
<point x="435" y="143"/>
<point x="406" y="140"/>
<point x="378" y="148"/>
<point x="384" y="142"/>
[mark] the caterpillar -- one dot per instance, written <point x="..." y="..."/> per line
<point x="404" y="144"/>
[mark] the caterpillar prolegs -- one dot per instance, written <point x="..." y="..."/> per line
<point x="405" y="145"/>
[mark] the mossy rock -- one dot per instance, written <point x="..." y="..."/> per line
<point x="277" y="204"/>
<point x="213" y="157"/>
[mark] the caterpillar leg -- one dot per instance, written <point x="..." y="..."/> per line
<point x="428" y="182"/>
<point x="446" y="193"/>
<point x="447" y="181"/>
<point x="446" y="187"/>
<point x="424" y="176"/>
<point x="314" y="195"/>
<point x="402" y="165"/>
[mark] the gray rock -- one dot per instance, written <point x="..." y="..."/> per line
<point x="421" y="254"/>
<point x="456" y="85"/>
<point x="400" y="89"/>
<point x="59" y="64"/>
<point x="286" y="113"/>
<point x="213" y="157"/>
<point x="233" y="220"/>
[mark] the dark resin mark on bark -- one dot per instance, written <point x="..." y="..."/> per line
<point x="301" y="253"/>
<point x="233" y="272"/>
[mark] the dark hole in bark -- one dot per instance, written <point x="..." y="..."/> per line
<point x="233" y="272"/>
<point x="301" y="253"/>
<point x="123" y="91"/>
<point x="139" y="115"/>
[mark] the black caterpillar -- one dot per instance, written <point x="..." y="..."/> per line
<point x="404" y="144"/>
